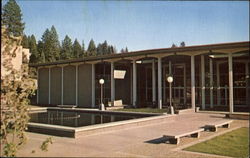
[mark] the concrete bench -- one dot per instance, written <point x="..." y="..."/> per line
<point x="116" y="103"/>
<point x="67" y="106"/>
<point x="175" y="137"/>
<point x="213" y="126"/>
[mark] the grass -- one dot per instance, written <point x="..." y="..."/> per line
<point x="147" y="110"/>
<point x="233" y="144"/>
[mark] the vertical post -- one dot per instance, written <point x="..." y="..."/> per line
<point x="62" y="88"/>
<point x="146" y="85"/>
<point x="153" y="82"/>
<point x="164" y="84"/>
<point x="185" y="85"/>
<point x="202" y="82"/>
<point x="159" y="84"/>
<point x="112" y="84"/>
<point x="247" y="83"/>
<point x="193" y="81"/>
<point x="211" y="83"/>
<point x="49" y="85"/>
<point x="134" y="83"/>
<point x="93" y="85"/>
<point x="37" y="94"/>
<point x="170" y="73"/>
<point x="76" y="85"/>
<point x="218" y="84"/>
<point x="230" y="75"/>
<point x="131" y="85"/>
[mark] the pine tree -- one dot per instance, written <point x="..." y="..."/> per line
<point x="54" y="43"/>
<point x="41" y="55"/>
<point x="126" y="49"/>
<point x="12" y="18"/>
<point x="66" y="52"/>
<point x="105" y="47"/>
<point x="122" y="50"/>
<point x="45" y="46"/>
<point x="83" y="53"/>
<point x="77" y="49"/>
<point x="92" y="48"/>
<point x="99" y="49"/>
<point x="25" y="42"/>
<point x="33" y="50"/>
<point x="173" y="45"/>
<point x="182" y="44"/>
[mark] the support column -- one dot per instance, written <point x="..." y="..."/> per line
<point x="159" y="84"/>
<point x="192" y="82"/>
<point x="93" y="85"/>
<point x="247" y="84"/>
<point x="164" y="84"/>
<point x="185" y="85"/>
<point x="211" y="83"/>
<point x="37" y="91"/>
<point x="76" y="85"/>
<point x="112" y="84"/>
<point x="230" y="75"/>
<point x="153" y="82"/>
<point x="62" y="88"/>
<point x="49" y="84"/>
<point x="134" y="83"/>
<point x="218" y="84"/>
<point x="203" y="83"/>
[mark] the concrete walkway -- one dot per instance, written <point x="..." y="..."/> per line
<point x="145" y="141"/>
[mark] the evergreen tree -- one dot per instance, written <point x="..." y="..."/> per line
<point x="83" y="53"/>
<point x="173" y="45"/>
<point x="45" y="47"/>
<point x="99" y="49"/>
<point x="123" y="51"/>
<point x="105" y="47"/>
<point x="33" y="50"/>
<point x="77" y="49"/>
<point x="54" y="43"/>
<point x="91" y="48"/>
<point x="126" y="49"/>
<point x="12" y="18"/>
<point x="41" y="55"/>
<point x="25" y="42"/>
<point x="66" y="52"/>
<point x="182" y="44"/>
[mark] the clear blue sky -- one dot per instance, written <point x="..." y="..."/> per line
<point x="140" y="24"/>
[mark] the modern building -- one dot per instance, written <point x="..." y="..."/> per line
<point x="212" y="76"/>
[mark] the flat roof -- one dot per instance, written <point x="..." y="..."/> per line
<point x="208" y="47"/>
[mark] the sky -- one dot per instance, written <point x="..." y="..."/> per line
<point x="139" y="25"/>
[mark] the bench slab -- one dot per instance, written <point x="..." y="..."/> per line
<point x="213" y="126"/>
<point x="175" y="138"/>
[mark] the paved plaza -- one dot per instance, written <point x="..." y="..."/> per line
<point x="144" y="141"/>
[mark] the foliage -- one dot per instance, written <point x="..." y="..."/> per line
<point x="124" y="50"/>
<point x="91" y="48"/>
<point x="16" y="87"/>
<point x="182" y="44"/>
<point x="12" y="18"/>
<point x="67" y="49"/>
<point x="25" y="42"/>
<point x="34" y="57"/>
<point x="55" y="44"/>
<point x="48" y="49"/>
<point x="45" y="144"/>
<point x="233" y="144"/>
<point x="77" y="49"/>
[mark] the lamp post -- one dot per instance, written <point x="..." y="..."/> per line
<point x="170" y="80"/>
<point x="101" y="81"/>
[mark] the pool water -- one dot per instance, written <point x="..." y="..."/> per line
<point x="79" y="118"/>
